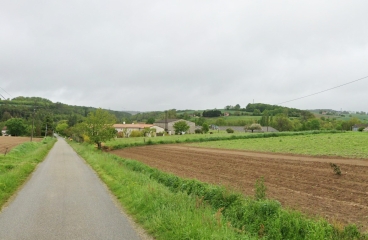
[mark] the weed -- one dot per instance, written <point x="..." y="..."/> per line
<point x="260" y="189"/>
<point x="218" y="216"/>
<point x="335" y="168"/>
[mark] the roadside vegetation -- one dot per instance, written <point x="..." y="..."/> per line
<point x="16" y="165"/>
<point x="169" y="207"/>
<point x="347" y="144"/>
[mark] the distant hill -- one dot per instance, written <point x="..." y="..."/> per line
<point x="24" y="107"/>
<point x="132" y="112"/>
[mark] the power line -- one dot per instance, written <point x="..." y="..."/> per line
<point x="323" y="90"/>
<point x="6" y="92"/>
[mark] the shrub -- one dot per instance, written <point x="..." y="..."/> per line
<point x="198" y="131"/>
<point x="335" y="168"/>
<point x="120" y="135"/>
<point x="230" y="130"/>
<point x="205" y="128"/>
<point x="260" y="189"/>
<point x="136" y="133"/>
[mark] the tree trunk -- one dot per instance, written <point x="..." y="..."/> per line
<point x="99" y="145"/>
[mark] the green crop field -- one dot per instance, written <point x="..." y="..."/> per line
<point x="349" y="144"/>
<point x="170" y="139"/>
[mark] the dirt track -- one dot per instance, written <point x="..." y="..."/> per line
<point x="299" y="182"/>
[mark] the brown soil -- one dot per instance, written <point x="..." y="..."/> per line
<point x="7" y="142"/>
<point x="305" y="183"/>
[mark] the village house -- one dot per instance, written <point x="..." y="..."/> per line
<point x="128" y="128"/>
<point x="169" y="125"/>
<point x="356" y="127"/>
<point x="3" y="131"/>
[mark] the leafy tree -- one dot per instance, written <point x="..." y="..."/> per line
<point x="180" y="127"/>
<point x="61" y="127"/>
<point x="211" y="113"/>
<point x="205" y="128"/>
<point x="297" y="125"/>
<point x="254" y="126"/>
<point x="237" y="107"/>
<point x="313" y="124"/>
<point x="200" y="121"/>
<point x="98" y="126"/>
<point x="47" y="126"/>
<point x="72" y="120"/>
<point x="282" y="123"/>
<point x="171" y="114"/>
<point x="256" y="112"/>
<point x="265" y="120"/>
<point x="6" y="116"/>
<point x="16" y="127"/>
<point x="150" y="120"/>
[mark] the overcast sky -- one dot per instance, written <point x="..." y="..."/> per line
<point x="157" y="55"/>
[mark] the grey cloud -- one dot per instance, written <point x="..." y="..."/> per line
<point x="154" y="55"/>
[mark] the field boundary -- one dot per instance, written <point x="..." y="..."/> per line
<point x="187" y="139"/>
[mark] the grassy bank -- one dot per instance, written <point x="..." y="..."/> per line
<point x="170" y="207"/>
<point x="120" y="143"/>
<point x="349" y="144"/>
<point x="16" y="166"/>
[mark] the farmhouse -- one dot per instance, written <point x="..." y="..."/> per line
<point x="128" y="128"/>
<point x="356" y="127"/>
<point x="169" y="125"/>
<point x="3" y="131"/>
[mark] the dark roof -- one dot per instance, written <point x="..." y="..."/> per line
<point x="168" y="120"/>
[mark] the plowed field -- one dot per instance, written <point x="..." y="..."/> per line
<point x="10" y="142"/>
<point x="307" y="184"/>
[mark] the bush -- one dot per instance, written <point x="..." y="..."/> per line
<point x="205" y="128"/>
<point x="260" y="189"/>
<point x="335" y="168"/>
<point x="361" y="129"/>
<point x="198" y="131"/>
<point x="136" y="133"/>
<point x="230" y="130"/>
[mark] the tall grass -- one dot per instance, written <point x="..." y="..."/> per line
<point x="170" y="207"/>
<point x="192" y="138"/>
<point x="16" y="166"/>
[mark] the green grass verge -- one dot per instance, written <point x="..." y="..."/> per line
<point x="120" y="143"/>
<point x="169" y="207"/>
<point x="348" y="144"/>
<point x="16" y="166"/>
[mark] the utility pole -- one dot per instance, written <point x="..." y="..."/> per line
<point x="34" y="110"/>
<point x="166" y="123"/>
<point x="46" y="130"/>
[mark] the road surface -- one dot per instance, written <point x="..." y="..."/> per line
<point x="64" y="199"/>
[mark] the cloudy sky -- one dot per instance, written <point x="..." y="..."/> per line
<point x="157" y="55"/>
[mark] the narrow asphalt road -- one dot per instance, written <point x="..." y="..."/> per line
<point x="64" y="199"/>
